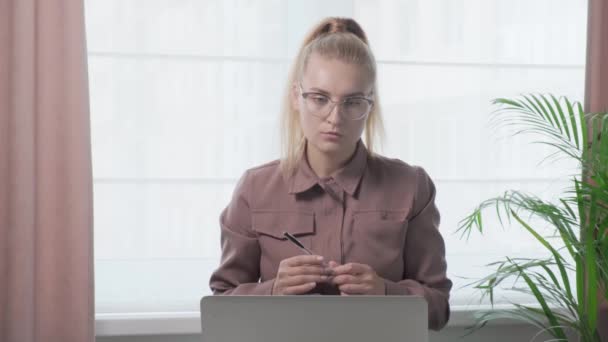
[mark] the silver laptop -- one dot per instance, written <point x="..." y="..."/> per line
<point x="314" y="318"/>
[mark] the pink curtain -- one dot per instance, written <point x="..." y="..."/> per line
<point x="46" y="227"/>
<point x="596" y="93"/>
<point x="596" y="90"/>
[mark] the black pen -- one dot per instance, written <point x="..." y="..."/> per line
<point x="297" y="243"/>
<point x="301" y="246"/>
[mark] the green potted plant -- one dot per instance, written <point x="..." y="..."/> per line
<point x="565" y="307"/>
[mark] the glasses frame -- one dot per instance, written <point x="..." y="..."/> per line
<point x="335" y="103"/>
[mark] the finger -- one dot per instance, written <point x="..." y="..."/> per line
<point x="299" y="289"/>
<point x="343" y="269"/>
<point x="301" y="270"/>
<point x="345" y="279"/>
<point x="333" y="264"/>
<point x="355" y="288"/>
<point x="302" y="279"/>
<point x="302" y="260"/>
<point x="351" y="268"/>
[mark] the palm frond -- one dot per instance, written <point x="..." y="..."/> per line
<point x="557" y="257"/>
<point x="536" y="114"/>
<point x="580" y="220"/>
<point x="515" y="201"/>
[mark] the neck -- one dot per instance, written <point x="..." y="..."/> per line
<point x="323" y="164"/>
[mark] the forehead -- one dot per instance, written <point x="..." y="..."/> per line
<point x="335" y="76"/>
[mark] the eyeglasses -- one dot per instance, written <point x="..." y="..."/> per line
<point x="320" y="105"/>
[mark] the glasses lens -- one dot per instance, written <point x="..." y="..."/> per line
<point x="356" y="108"/>
<point x="353" y="108"/>
<point x="316" y="103"/>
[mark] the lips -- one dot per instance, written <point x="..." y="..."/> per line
<point x="331" y="136"/>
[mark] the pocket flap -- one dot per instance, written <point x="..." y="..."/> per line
<point x="276" y="223"/>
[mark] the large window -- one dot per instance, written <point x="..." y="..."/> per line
<point x="185" y="97"/>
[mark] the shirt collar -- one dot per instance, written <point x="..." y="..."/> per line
<point x="348" y="177"/>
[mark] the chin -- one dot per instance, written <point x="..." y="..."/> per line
<point x="330" y="148"/>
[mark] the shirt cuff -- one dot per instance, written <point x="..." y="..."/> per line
<point x="267" y="286"/>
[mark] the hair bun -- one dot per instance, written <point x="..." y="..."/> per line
<point x="338" y="25"/>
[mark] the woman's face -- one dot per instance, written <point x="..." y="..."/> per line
<point x="332" y="131"/>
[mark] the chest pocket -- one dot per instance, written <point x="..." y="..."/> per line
<point x="381" y="231"/>
<point x="270" y="226"/>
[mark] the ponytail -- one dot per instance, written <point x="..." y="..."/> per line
<point x="336" y="25"/>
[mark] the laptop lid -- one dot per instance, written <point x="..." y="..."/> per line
<point x="314" y="318"/>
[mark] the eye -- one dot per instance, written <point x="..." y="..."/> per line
<point x="354" y="102"/>
<point x="318" y="99"/>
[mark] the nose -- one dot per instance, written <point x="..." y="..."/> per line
<point x="334" y="116"/>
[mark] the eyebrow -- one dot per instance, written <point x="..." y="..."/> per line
<point x="325" y="92"/>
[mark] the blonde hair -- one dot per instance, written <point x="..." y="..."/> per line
<point x="343" y="39"/>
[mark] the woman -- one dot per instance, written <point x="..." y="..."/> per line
<point x="371" y="221"/>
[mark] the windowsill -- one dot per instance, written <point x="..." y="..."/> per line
<point x="186" y="323"/>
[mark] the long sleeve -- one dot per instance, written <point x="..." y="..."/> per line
<point x="239" y="269"/>
<point x="424" y="256"/>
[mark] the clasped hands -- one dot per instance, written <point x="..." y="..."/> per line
<point x="300" y="274"/>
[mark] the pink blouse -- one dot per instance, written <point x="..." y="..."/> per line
<point x="375" y="210"/>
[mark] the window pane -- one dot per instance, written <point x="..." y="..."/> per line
<point x="185" y="96"/>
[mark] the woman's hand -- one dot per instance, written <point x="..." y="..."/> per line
<point x="299" y="274"/>
<point x="357" y="279"/>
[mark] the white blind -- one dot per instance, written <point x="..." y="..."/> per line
<point x="185" y="96"/>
